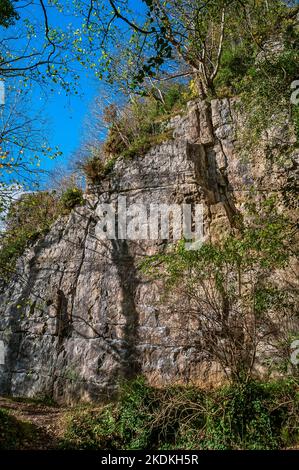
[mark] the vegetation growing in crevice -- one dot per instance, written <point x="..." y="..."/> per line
<point x="96" y="166"/>
<point x="71" y="198"/>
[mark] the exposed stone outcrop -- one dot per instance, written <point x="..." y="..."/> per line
<point x="79" y="315"/>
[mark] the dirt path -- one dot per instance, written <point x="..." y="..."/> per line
<point x="45" y="421"/>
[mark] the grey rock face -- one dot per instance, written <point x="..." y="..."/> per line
<point x="79" y="315"/>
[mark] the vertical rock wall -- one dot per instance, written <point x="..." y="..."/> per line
<point x="79" y="315"/>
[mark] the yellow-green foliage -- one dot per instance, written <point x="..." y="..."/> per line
<point x="71" y="198"/>
<point x="28" y="218"/>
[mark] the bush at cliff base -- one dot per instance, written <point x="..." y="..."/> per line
<point x="254" y="415"/>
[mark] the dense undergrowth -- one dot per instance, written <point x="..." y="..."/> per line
<point x="256" y="415"/>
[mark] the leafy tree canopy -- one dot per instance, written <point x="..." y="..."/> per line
<point x="8" y="14"/>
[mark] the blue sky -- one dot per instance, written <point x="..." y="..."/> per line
<point x="64" y="115"/>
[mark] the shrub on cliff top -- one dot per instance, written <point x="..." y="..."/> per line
<point x="140" y="124"/>
<point x="72" y="197"/>
<point x="132" y="129"/>
<point x="96" y="167"/>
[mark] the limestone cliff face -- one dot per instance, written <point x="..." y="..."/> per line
<point x="79" y="315"/>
